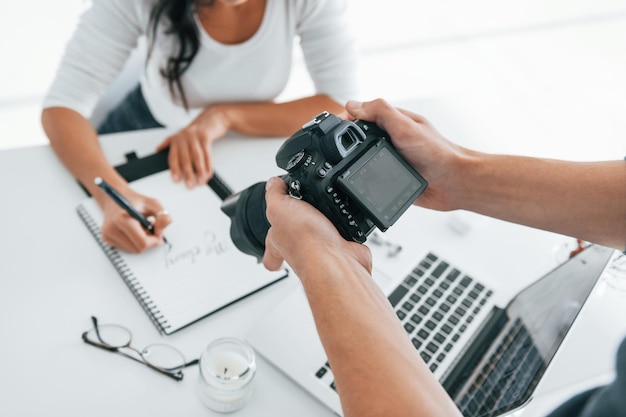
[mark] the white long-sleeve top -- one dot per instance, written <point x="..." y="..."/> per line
<point x="255" y="70"/>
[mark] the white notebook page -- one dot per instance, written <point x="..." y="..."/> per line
<point x="200" y="271"/>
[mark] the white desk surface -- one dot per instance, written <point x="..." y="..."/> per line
<point x="54" y="276"/>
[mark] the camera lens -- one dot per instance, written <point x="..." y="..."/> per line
<point x="249" y="226"/>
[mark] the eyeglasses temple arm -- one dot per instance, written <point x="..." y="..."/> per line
<point x="191" y="363"/>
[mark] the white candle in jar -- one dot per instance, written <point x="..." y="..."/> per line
<point x="227" y="369"/>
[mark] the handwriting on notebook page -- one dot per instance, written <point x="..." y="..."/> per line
<point x="186" y="253"/>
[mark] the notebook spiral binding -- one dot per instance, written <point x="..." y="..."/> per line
<point x="127" y="275"/>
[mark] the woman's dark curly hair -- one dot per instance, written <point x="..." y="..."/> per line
<point x="179" y="15"/>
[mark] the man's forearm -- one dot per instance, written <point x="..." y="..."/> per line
<point x="582" y="199"/>
<point x="377" y="370"/>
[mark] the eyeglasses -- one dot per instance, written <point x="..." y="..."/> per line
<point x="162" y="358"/>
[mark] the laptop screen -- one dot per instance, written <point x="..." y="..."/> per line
<point x="504" y="373"/>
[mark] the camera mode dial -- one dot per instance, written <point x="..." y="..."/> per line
<point x="295" y="162"/>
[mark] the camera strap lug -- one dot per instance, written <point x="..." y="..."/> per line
<point x="295" y="189"/>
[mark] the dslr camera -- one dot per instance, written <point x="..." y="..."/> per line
<point x="349" y="171"/>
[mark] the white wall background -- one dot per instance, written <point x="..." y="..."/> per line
<point x="561" y="61"/>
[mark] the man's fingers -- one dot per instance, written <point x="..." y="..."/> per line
<point x="381" y="113"/>
<point x="275" y="187"/>
<point x="272" y="260"/>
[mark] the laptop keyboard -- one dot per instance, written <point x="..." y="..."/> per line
<point x="506" y="374"/>
<point x="435" y="303"/>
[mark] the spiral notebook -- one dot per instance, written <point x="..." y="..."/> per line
<point x="199" y="273"/>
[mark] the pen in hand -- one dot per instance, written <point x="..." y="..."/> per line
<point x="123" y="203"/>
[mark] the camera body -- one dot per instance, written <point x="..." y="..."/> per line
<point x="349" y="171"/>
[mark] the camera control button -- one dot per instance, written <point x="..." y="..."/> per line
<point x="321" y="172"/>
<point x="327" y="165"/>
<point x="330" y="189"/>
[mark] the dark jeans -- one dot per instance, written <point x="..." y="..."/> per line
<point x="131" y="114"/>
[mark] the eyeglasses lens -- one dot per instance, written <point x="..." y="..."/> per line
<point x="111" y="335"/>
<point x="164" y="357"/>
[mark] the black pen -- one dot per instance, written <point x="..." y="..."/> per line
<point x="123" y="203"/>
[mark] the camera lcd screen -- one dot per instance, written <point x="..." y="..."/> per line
<point x="383" y="183"/>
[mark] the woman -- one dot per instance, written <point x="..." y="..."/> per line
<point x="212" y="66"/>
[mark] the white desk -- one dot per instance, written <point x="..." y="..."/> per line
<point x="53" y="277"/>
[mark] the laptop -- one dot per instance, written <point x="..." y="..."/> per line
<point x="488" y="350"/>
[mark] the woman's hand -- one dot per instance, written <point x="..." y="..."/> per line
<point x="190" y="148"/>
<point x="122" y="231"/>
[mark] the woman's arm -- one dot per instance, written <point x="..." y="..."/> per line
<point x="75" y="142"/>
<point x="104" y="38"/>
<point x="329" y="47"/>
<point x="276" y="119"/>
<point x="106" y="34"/>
<point x="190" y="147"/>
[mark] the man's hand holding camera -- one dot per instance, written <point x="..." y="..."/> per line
<point x="349" y="171"/>
<point x="300" y="232"/>
<point x="432" y="155"/>
<point x="302" y="235"/>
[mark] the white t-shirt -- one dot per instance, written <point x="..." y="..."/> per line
<point x="255" y="70"/>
